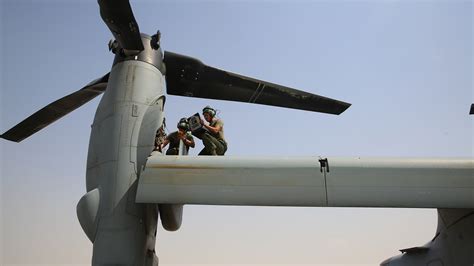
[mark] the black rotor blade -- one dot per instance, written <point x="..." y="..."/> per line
<point x="471" y="112"/>
<point x="56" y="110"/>
<point x="187" y="76"/>
<point x="118" y="16"/>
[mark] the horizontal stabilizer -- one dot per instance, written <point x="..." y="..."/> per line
<point x="415" y="250"/>
<point x="56" y="110"/>
<point x="308" y="181"/>
<point x="186" y="76"/>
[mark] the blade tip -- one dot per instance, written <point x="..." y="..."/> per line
<point x="344" y="107"/>
<point x="10" y="138"/>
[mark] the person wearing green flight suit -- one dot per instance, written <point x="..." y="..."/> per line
<point x="182" y="134"/>
<point x="213" y="138"/>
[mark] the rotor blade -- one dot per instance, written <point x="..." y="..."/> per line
<point x="187" y="76"/>
<point x="472" y="109"/>
<point x="56" y="110"/>
<point x="118" y="16"/>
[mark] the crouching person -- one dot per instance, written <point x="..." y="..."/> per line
<point x="213" y="138"/>
<point x="182" y="134"/>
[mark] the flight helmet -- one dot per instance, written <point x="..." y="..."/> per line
<point x="183" y="124"/>
<point x="209" y="110"/>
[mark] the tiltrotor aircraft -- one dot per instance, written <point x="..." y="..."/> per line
<point x="128" y="190"/>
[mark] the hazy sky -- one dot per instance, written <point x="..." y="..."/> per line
<point x="406" y="66"/>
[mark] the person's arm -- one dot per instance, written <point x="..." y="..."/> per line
<point x="214" y="129"/>
<point x="188" y="141"/>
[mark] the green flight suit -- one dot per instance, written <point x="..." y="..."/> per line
<point x="174" y="143"/>
<point x="214" y="144"/>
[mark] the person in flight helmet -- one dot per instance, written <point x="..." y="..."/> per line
<point x="213" y="138"/>
<point x="182" y="134"/>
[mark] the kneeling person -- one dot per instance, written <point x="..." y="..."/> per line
<point x="213" y="139"/>
<point x="174" y="138"/>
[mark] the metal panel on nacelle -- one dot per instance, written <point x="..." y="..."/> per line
<point x="301" y="181"/>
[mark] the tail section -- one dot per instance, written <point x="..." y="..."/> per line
<point x="453" y="243"/>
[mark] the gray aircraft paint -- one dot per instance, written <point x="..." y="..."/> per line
<point x="172" y="214"/>
<point x="453" y="243"/>
<point x="131" y="110"/>
<point x="123" y="232"/>
<point x="340" y="182"/>
<point x="301" y="181"/>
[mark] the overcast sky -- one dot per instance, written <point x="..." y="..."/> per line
<point x="406" y="67"/>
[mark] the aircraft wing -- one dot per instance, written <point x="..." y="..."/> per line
<point x="308" y="181"/>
